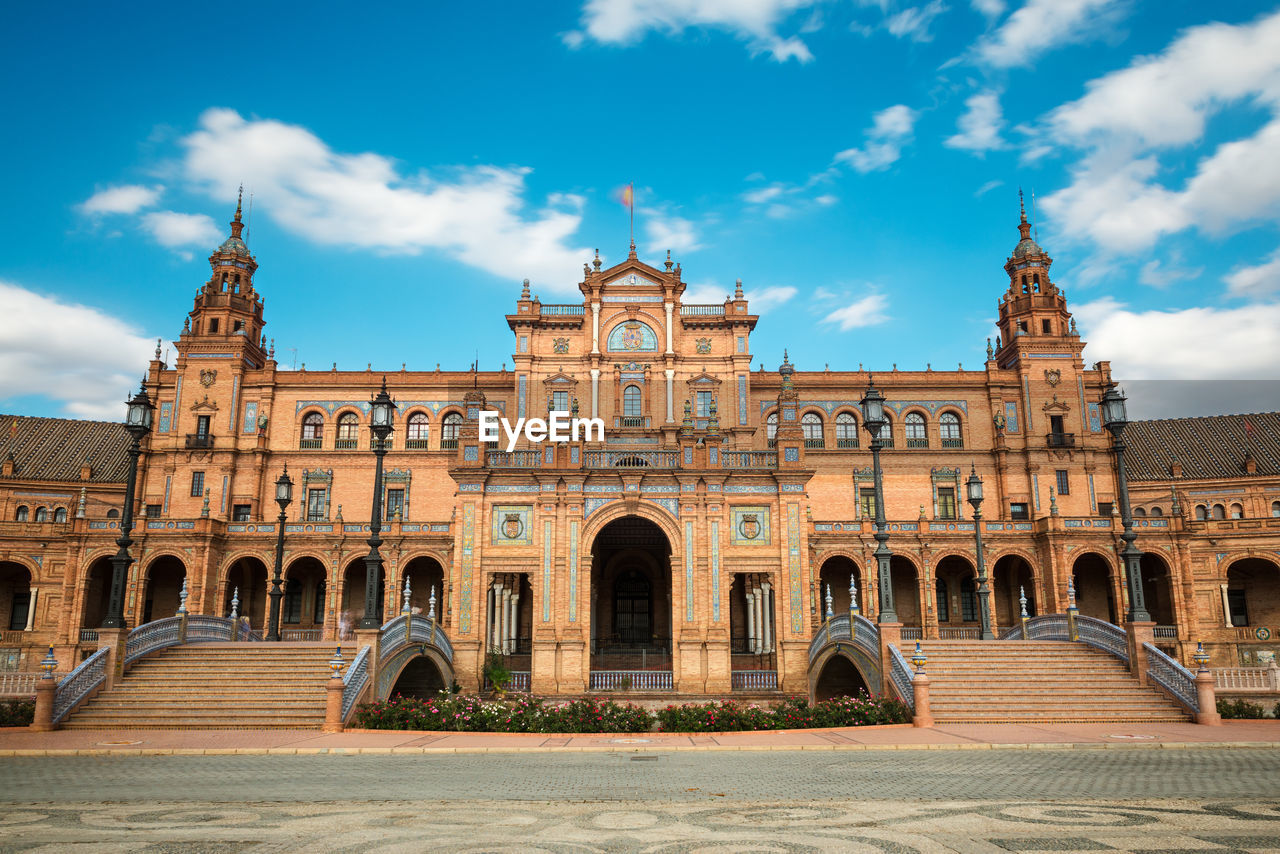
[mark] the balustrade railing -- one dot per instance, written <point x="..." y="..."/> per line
<point x="1104" y="636"/>
<point x="1262" y="680"/>
<point x="201" y="627"/>
<point x="1172" y="676"/>
<point x="900" y="676"/>
<point x="11" y="636"/>
<point x="151" y="637"/>
<point x="523" y="459"/>
<point x="754" y="680"/>
<point x="300" y="635"/>
<point x="21" y="684"/>
<point x="88" y="636"/>
<point x="403" y="630"/>
<point x="912" y="633"/>
<point x="633" y="459"/>
<point x="959" y="632"/>
<point x="1046" y="627"/>
<point x="701" y="310"/>
<point x="519" y="681"/>
<point x="564" y="309"/>
<point x="354" y="681"/>
<point x="749" y="459"/>
<point x="310" y="444"/>
<point x="77" y="684"/>
<point x="634" y="680"/>
<point x="1170" y="632"/>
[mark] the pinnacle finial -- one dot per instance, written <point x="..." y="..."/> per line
<point x="239" y="199"/>
<point x="524" y="292"/>
<point x="1022" y="210"/>
<point x="737" y="289"/>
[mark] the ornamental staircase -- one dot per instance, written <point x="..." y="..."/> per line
<point x="216" y="686"/>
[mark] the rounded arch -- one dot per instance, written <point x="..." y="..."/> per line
<point x="842" y="670"/>
<point x="1237" y="510"/>
<point x="915" y="428"/>
<point x="812" y="427"/>
<point x="1139" y="512"/>
<point x="1093" y="575"/>
<point x="846" y="422"/>
<point x="425" y="572"/>
<point x="244" y="580"/>
<point x="631" y="335"/>
<point x="417" y="428"/>
<point x="1157" y="588"/>
<point x="951" y="428"/>
<point x="632" y="401"/>
<point x="1202" y="512"/>
<point x="1012" y="578"/>
<point x="451" y="421"/>
<point x="616" y="510"/>
<point x="16" y="581"/>
<point x="398" y="666"/>
<point x="162" y="588"/>
<point x="632" y="597"/>
<point x="834" y="573"/>
<point x="1253" y="590"/>
<point x="22" y="514"/>
<point x="306" y="584"/>
<point x="60" y="515"/>
<point x="354" y="592"/>
<point x="1217" y="512"/>
<point x="905" y="574"/>
<point x="771" y="428"/>
<point x="311" y="423"/>
<point x="955" y="591"/>
<point x="97" y="590"/>
<point x="42" y="514"/>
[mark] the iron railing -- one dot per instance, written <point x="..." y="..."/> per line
<point x="754" y="680"/>
<point x="151" y="637"/>
<point x="1170" y="632"/>
<point x="1173" y="677"/>
<point x="912" y="633"/>
<point x="900" y="676"/>
<point x="635" y="680"/>
<point x="417" y="444"/>
<point x="199" y="440"/>
<point x="847" y="443"/>
<point x="1104" y="636"/>
<point x="77" y="684"/>
<point x="354" y="681"/>
<point x="300" y="635"/>
<point x="1060" y="440"/>
<point x="310" y="444"/>
<point x="917" y="443"/>
<point x="959" y="632"/>
<point x="953" y="443"/>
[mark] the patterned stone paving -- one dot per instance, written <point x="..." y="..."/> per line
<point x="1013" y="800"/>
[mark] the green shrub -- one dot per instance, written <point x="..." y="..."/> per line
<point x="17" y="712"/>
<point x="1235" y="709"/>
<point x="496" y="673"/>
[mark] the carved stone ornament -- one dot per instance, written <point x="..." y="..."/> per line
<point x="1053" y="376"/>
<point x="749" y="526"/>
<point x="703" y="345"/>
<point x="512" y="526"/>
<point x="207" y="377"/>
<point x="560" y="345"/>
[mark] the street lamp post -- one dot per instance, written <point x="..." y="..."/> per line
<point x="1115" y="419"/>
<point x="284" y="497"/>
<point x="138" y="423"/>
<point x="874" y="421"/>
<point x="974" y="486"/>
<point x="382" y="409"/>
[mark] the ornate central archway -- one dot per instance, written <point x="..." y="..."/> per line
<point x="630" y="597"/>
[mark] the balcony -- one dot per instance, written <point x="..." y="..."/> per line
<point x="634" y="421"/>
<point x="310" y="444"/>
<point x="701" y="310"/>
<point x="416" y="444"/>
<point x="199" y="440"/>
<point x="749" y="459"/>
<point x="513" y="459"/>
<point x="448" y="444"/>
<point x="345" y="444"/>
<point x="1060" y="440"/>
<point x="567" y="310"/>
<point x="953" y="443"/>
<point x="847" y="443"/>
<point x="917" y="443"/>
<point x="633" y="459"/>
<point x="814" y="444"/>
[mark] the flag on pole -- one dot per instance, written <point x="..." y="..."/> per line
<point x="627" y="195"/>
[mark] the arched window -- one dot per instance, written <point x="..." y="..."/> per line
<point x="941" y="601"/>
<point x="949" y="427"/>
<point x="1202" y="513"/>
<point x="631" y="401"/>
<point x="23" y="513"/>
<point x="42" y="514"/>
<point x="348" y="430"/>
<point x="1237" y="511"/>
<point x="846" y="430"/>
<point x="771" y="429"/>
<point x="1157" y="511"/>
<point x="1138" y="511"/>
<point x="312" y="430"/>
<point x="1275" y="508"/>
<point x="419" y="431"/>
<point x="60" y="515"/>
<point x="886" y="432"/>
<point x="113" y="513"/>
<point x="811" y="426"/>
<point x="1219" y="512"/>
<point x="449" y="430"/>
<point x="915" y="427"/>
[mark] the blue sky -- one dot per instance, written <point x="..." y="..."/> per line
<point x="855" y="162"/>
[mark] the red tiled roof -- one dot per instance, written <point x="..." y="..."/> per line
<point x="54" y="449"/>
<point x="1210" y="447"/>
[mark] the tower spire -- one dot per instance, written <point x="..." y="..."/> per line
<point x="237" y="225"/>
<point x="1024" y="227"/>
<point x="239" y="199"/>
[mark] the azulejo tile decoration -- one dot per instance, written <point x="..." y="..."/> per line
<point x="511" y="525"/>
<point x="750" y="525"/>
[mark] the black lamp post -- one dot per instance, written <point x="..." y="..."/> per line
<point x="874" y="421"/>
<point x="1115" y="420"/>
<point x="284" y="497"/>
<point x="382" y="410"/>
<point x="138" y="423"/>
<point x="974" y="487"/>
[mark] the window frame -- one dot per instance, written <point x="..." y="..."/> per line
<point x="197" y="484"/>
<point x="632" y="401"/>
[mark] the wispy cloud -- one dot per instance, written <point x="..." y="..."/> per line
<point x="123" y="199"/>
<point x="1257" y="281"/>
<point x="889" y="132"/>
<point x="1041" y="25"/>
<point x="868" y="310"/>
<point x="82" y="357"/>
<point x="979" y="128"/>
<point x="913" y="22"/>
<point x="174" y="230"/>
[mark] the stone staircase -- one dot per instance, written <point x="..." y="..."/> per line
<point x="216" y="686"/>
<point x="1035" y="681"/>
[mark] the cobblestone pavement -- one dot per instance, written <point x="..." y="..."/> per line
<point x="989" y="801"/>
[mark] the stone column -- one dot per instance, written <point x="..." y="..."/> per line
<point x="595" y="340"/>
<point x="671" y="392"/>
<point x="767" y="594"/>
<point x="752" y="640"/>
<point x="31" y="609"/>
<point x="595" y="392"/>
<point x="668" y="307"/>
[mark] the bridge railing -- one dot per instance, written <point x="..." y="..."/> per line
<point x="900" y="676"/>
<point x="1173" y="677"/>
<point x="354" y="681"/>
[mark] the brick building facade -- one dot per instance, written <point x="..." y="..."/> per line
<point x="701" y="541"/>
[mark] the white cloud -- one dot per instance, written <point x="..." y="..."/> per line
<point x="780" y="199"/>
<point x="77" y="355"/>
<point x="1192" y="343"/>
<point x="765" y="300"/>
<point x="865" y="311"/>
<point x="1158" y="276"/>
<point x="476" y="215"/>
<point x="987" y="187"/>
<point x="755" y="22"/>
<point x="990" y="9"/>
<point x="667" y="231"/>
<point x="1041" y="25"/>
<point x="884" y="140"/>
<point x="1261" y="280"/>
<point x="762" y="300"/>
<point x="124" y="199"/>
<point x="172" y="229"/>
<point x="913" y="23"/>
<point x="979" y="128"/>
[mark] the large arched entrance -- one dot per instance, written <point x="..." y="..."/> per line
<point x="97" y="593"/>
<point x="15" y="597"/>
<point x="906" y="596"/>
<point x="1253" y="593"/>
<point x="839" y="678"/>
<point x="1095" y="596"/>
<point x="834" y="576"/>
<point x="630" y="597"/>
<point x="245" y="591"/>
<point x="420" y="678"/>
<point x="1157" y="592"/>
<point x="302" y="610"/>
<point x="353" y="598"/>
<point x="161" y="595"/>
<point x="1012" y="579"/>
<point x="426" y="580"/>
<point x="955" y="598"/>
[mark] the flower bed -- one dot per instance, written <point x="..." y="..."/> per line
<point x="523" y="713"/>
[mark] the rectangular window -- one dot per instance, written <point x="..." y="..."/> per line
<point x="292" y="602"/>
<point x="1238" y="606"/>
<point x="867" y="503"/>
<point x="1056" y="424"/>
<point x="395" y="503"/>
<point x="704" y="404"/>
<point x="240" y="512"/>
<point x="152" y="511"/>
<point x="202" y="425"/>
<point x="742" y="344"/>
<point x="315" y="505"/>
<point x="524" y="343"/>
<point x="559" y="401"/>
<point x="239" y="327"/>
<point x="197" y="483"/>
<point x="946" y="502"/>
<point x="968" y="601"/>
<point x="1106" y="508"/>
<point x="1046" y="326"/>
<point x="18" y="613"/>
<point x="941" y="601"/>
<point x="1018" y="511"/>
<point x="1064" y="483"/>
<point x="213" y="326"/>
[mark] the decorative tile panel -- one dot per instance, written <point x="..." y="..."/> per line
<point x="1093" y="498"/>
<point x="742" y="398"/>
<point x="632" y="336"/>
<point x="522" y="394"/>
<point x="591" y="505"/>
<point x="1011" y="417"/>
<point x="471" y="453"/>
<point x="250" y="417"/>
<point x="468" y="545"/>
<point x="749" y="487"/>
<point x="573" y="571"/>
<point x="671" y="505"/>
<point x="511" y="525"/>
<point x="793" y="566"/>
<point x="547" y="536"/>
<point x="1095" y="418"/>
<point x="791" y="455"/>
<point x="750" y="525"/>
<point x="715" y="570"/>
<point x="166" y="417"/>
<point x="688" y="572"/>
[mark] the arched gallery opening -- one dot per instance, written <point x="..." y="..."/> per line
<point x="631" y="597"/>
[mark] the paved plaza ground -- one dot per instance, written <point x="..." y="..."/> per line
<point x="1084" y="788"/>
